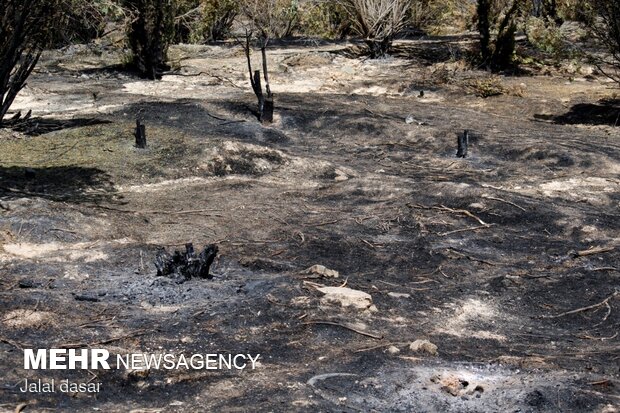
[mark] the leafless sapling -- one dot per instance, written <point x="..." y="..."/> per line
<point x="265" y="99"/>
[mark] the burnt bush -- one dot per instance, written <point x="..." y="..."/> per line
<point x="149" y="34"/>
<point x="605" y="26"/>
<point x="25" y="29"/>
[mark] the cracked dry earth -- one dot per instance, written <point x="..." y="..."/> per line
<point x="507" y="261"/>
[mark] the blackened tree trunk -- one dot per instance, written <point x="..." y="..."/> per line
<point x="265" y="100"/>
<point x="484" y="28"/>
<point x="497" y="52"/>
<point x="150" y="34"/>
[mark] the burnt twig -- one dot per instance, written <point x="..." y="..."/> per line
<point x="582" y="309"/>
<point x="333" y="323"/>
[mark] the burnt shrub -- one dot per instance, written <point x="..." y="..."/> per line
<point x="26" y="28"/>
<point x="149" y="34"/>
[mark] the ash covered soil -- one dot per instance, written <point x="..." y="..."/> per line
<point x="506" y="260"/>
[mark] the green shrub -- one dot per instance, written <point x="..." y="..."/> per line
<point x="323" y="19"/>
<point x="546" y="36"/>
<point x="199" y="21"/>
<point x="441" y="16"/>
<point x="486" y="87"/>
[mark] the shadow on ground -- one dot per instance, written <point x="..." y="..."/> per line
<point x="66" y="183"/>
<point x="604" y="112"/>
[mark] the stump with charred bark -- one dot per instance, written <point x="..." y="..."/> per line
<point x="140" y="134"/>
<point x="462" y="142"/>
<point x="185" y="266"/>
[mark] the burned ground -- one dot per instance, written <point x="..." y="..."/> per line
<point x="484" y="256"/>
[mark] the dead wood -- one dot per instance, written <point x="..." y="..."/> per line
<point x="456" y="231"/>
<point x="451" y="210"/>
<point x="106" y="341"/>
<point x="185" y="266"/>
<point x="593" y="251"/>
<point x="355" y="330"/>
<point x="506" y="202"/>
<point x="582" y="309"/>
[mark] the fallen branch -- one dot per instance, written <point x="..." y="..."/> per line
<point x="605" y="269"/>
<point x="506" y="202"/>
<point x="452" y="210"/>
<point x="107" y="341"/>
<point x="472" y="258"/>
<point x="20" y="407"/>
<point x="443" y="234"/>
<point x="582" y="309"/>
<point x="12" y="343"/>
<point x="361" y="350"/>
<point x="319" y="377"/>
<point x="333" y="323"/>
<point x="593" y="251"/>
<point x="587" y="337"/>
<point x="321" y="224"/>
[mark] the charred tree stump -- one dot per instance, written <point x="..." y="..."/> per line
<point x="462" y="142"/>
<point x="267" y="114"/>
<point x="140" y="135"/>
<point x="185" y="266"/>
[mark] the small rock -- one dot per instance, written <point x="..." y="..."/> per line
<point x="322" y="270"/>
<point x="393" y="350"/>
<point x="399" y="295"/>
<point x="340" y="176"/>
<point x="410" y="119"/>
<point x="424" y="346"/>
<point x="346" y="297"/>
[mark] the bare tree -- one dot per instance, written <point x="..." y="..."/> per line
<point x="377" y="21"/>
<point x="605" y="25"/>
<point x="265" y="100"/>
<point x="265" y="20"/>
<point x="26" y="27"/>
